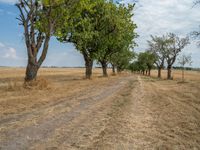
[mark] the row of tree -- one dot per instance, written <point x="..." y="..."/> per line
<point x="100" y="30"/>
<point x="162" y="50"/>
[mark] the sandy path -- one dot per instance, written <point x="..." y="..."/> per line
<point x="127" y="113"/>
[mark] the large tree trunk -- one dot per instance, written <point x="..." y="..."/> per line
<point x="31" y="72"/>
<point x="88" y="66"/>
<point x="159" y="72"/>
<point x="169" y="72"/>
<point x="34" y="65"/>
<point x="104" y="68"/>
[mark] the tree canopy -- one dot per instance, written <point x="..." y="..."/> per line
<point x="100" y="30"/>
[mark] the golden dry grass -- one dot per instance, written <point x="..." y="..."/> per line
<point x="65" y="111"/>
<point x="177" y="75"/>
<point x="52" y="84"/>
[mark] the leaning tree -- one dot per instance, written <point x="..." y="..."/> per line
<point x="39" y="19"/>
<point x="158" y="46"/>
<point x="175" y="46"/>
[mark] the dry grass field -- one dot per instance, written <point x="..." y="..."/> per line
<point x="177" y="75"/>
<point x="65" y="111"/>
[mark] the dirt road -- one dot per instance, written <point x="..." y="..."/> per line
<point x="127" y="113"/>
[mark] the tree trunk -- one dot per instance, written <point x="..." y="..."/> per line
<point x="183" y="74"/>
<point x="143" y="72"/>
<point x="31" y="72"/>
<point x="34" y="65"/>
<point x="104" y="68"/>
<point x="159" y="72"/>
<point x="169" y="72"/>
<point x="149" y="72"/>
<point x="88" y="67"/>
<point x="113" y="69"/>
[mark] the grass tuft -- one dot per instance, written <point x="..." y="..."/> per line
<point x="13" y="86"/>
<point x="39" y="84"/>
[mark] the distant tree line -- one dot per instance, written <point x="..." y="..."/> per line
<point x="100" y="30"/>
<point x="163" y="50"/>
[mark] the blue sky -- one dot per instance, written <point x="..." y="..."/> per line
<point x="154" y="17"/>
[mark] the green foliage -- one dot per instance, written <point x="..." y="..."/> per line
<point x="118" y="33"/>
<point x="101" y="30"/>
<point x="145" y="61"/>
<point x="81" y="28"/>
<point x="134" y="66"/>
<point x="122" y="59"/>
<point x="50" y="14"/>
<point x="142" y="61"/>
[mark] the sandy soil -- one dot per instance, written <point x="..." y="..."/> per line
<point x="121" y="112"/>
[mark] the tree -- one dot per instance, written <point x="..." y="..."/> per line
<point x="39" y="19"/>
<point x="117" y="35"/>
<point x="121" y="60"/>
<point x="83" y="31"/>
<point x="158" y="46"/>
<point x="196" y="2"/>
<point x="150" y="60"/>
<point x="134" y="66"/>
<point x="142" y="62"/>
<point x="183" y="60"/>
<point x="175" y="46"/>
<point x="196" y="35"/>
<point x="107" y="36"/>
<point x="146" y="62"/>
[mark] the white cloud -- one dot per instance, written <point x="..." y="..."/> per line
<point x="7" y="52"/>
<point x="2" y="45"/>
<point x="5" y="12"/>
<point x="157" y="17"/>
<point x="11" y="53"/>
